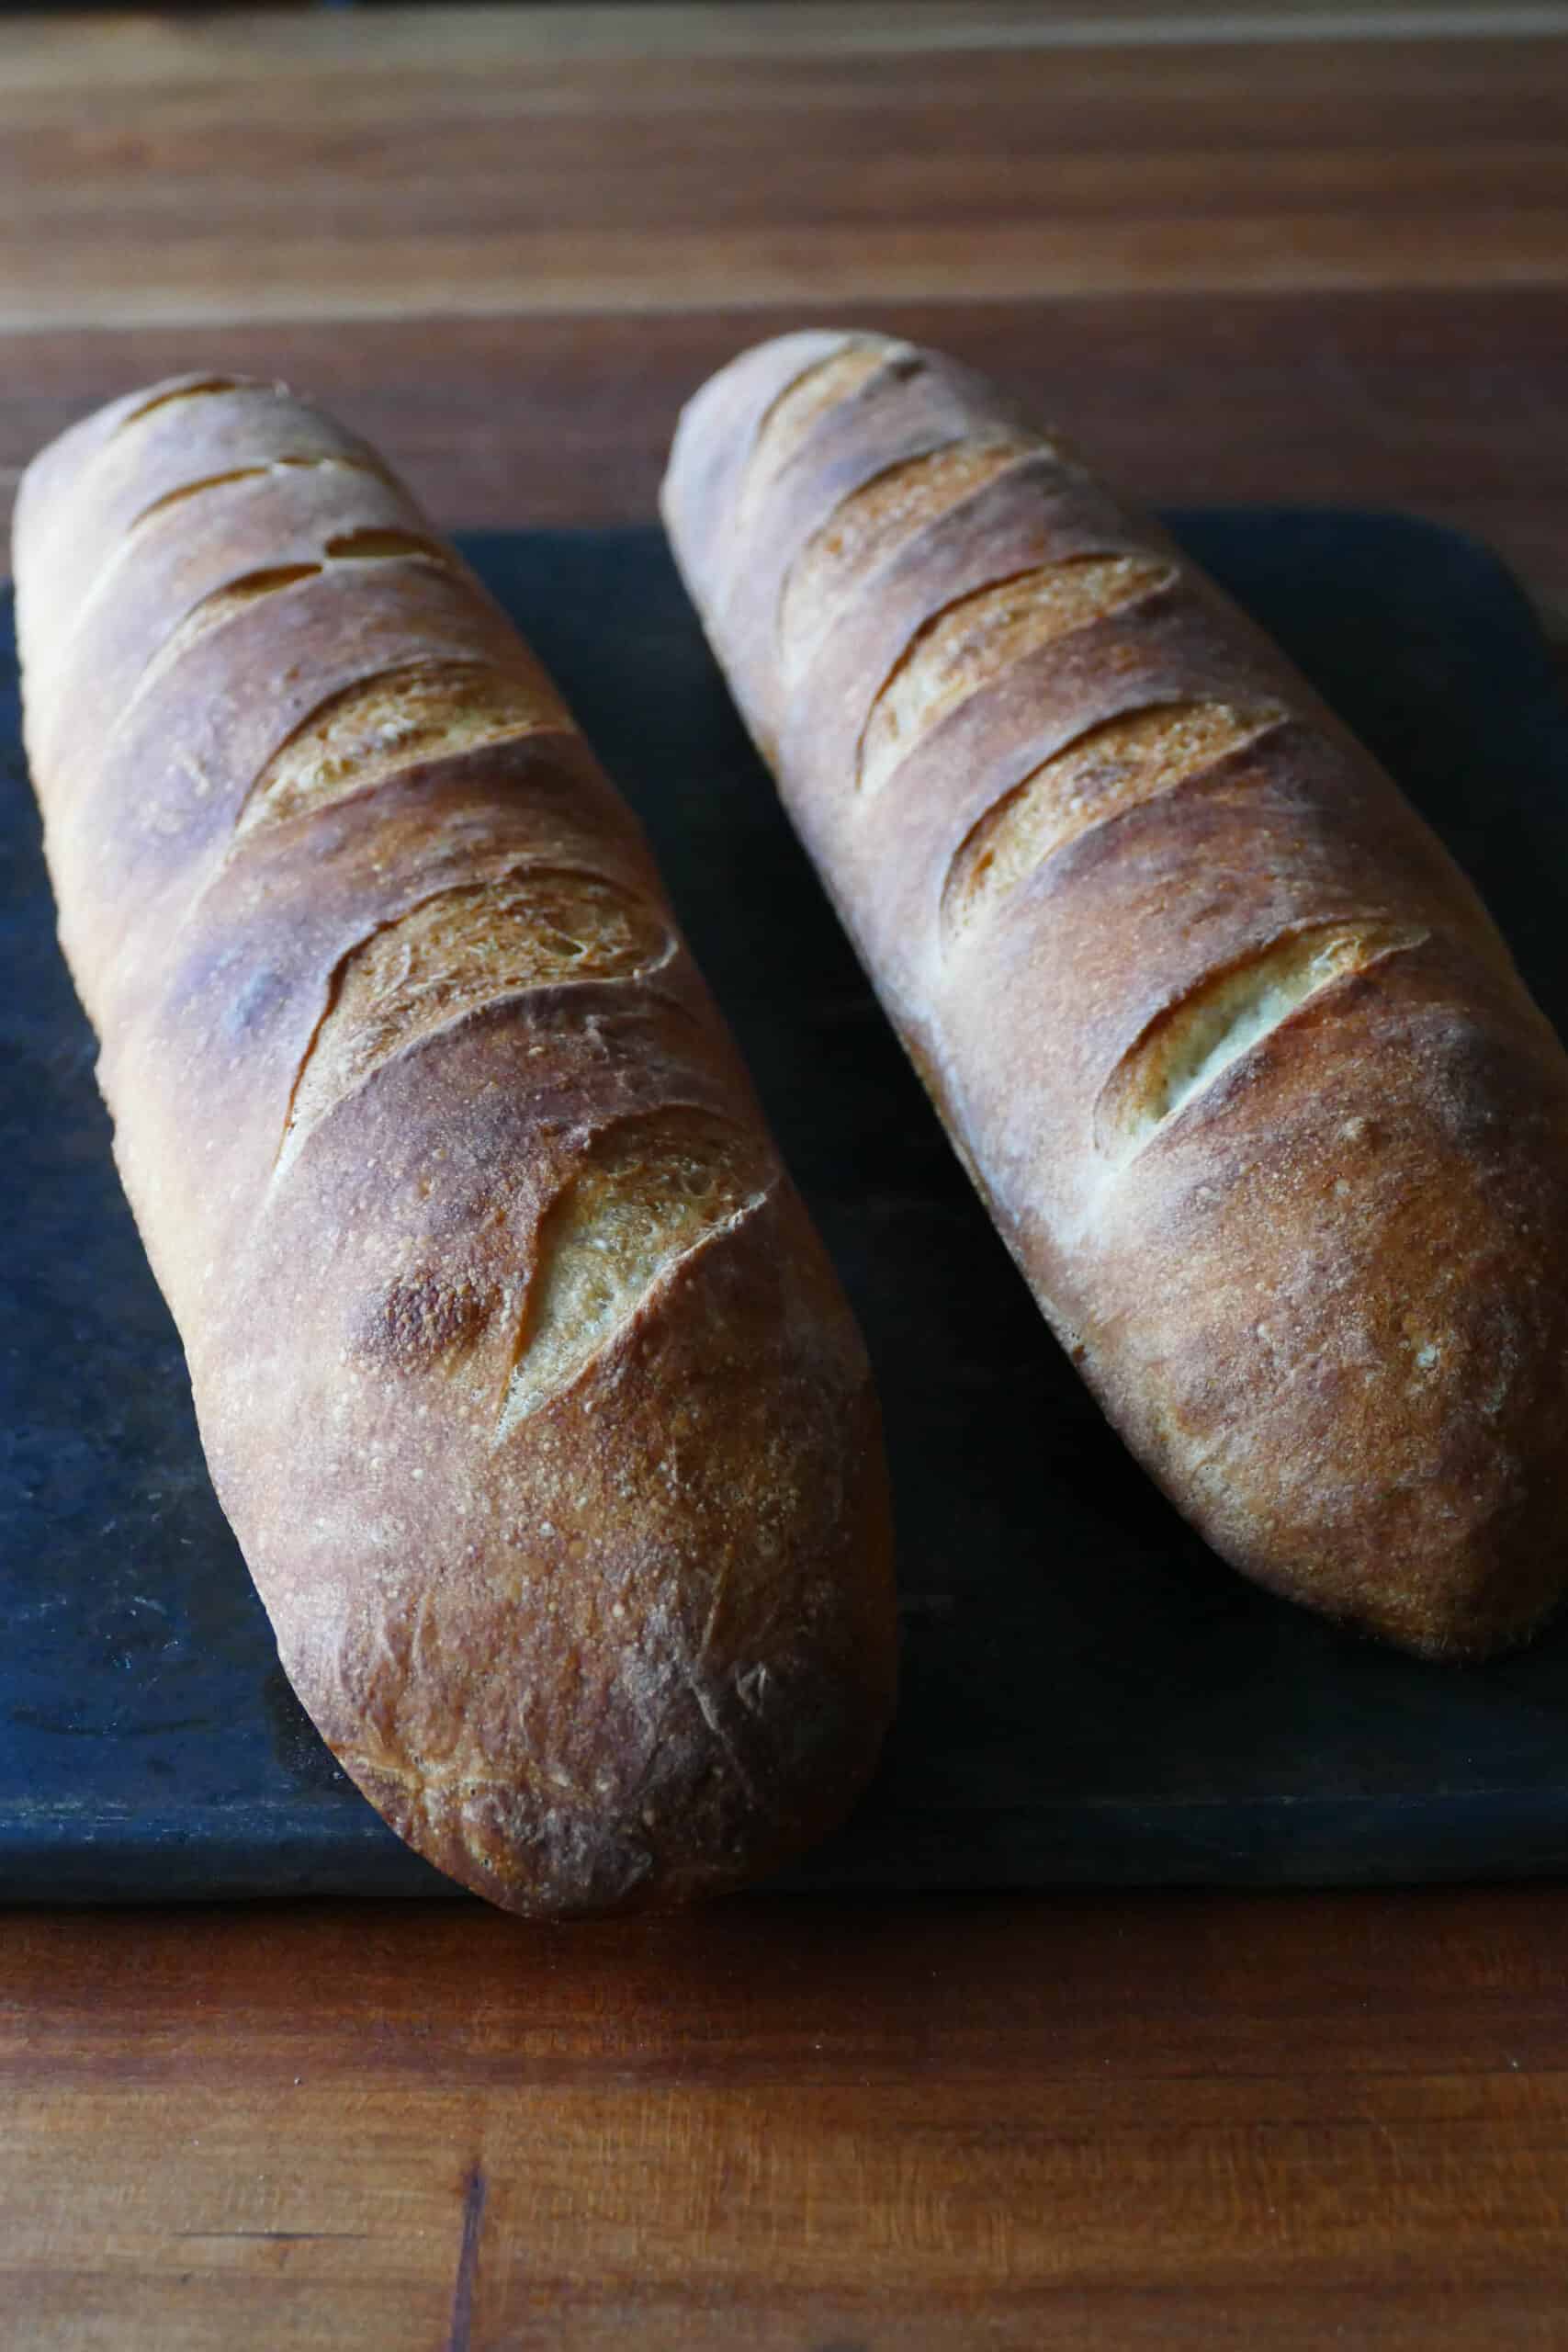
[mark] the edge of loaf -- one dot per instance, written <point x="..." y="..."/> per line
<point x="523" y="1379"/>
<point x="1235" y="1058"/>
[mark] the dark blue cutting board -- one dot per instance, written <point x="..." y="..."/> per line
<point x="1088" y="1696"/>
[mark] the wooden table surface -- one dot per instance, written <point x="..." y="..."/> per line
<point x="1314" y="254"/>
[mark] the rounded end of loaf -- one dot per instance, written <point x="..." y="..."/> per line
<point x="1458" y="1613"/>
<point x="674" y="1674"/>
<point x="100" y="454"/>
<point x="1453" y="1550"/>
<point x="1374" y="1421"/>
<point x="756" y="1759"/>
<point x="1455" y="1604"/>
<point x="718" y="433"/>
<point x="1462" y="1569"/>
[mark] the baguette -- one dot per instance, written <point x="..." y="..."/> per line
<point x="526" y="1385"/>
<point x="1233" y="1054"/>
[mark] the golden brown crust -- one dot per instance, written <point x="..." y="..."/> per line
<point x="1235" y="1057"/>
<point x="543" y="1427"/>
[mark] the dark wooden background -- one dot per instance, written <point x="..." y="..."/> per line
<point x="1323" y="257"/>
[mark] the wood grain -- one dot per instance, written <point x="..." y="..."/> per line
<point x="1193" y="2123"/>
<point x="178" y="172"/>
<point x="1253" y="252"/>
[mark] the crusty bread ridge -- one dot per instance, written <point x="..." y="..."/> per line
<point x="1231" y="1050"/>
<point x="528" y="1389"/>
